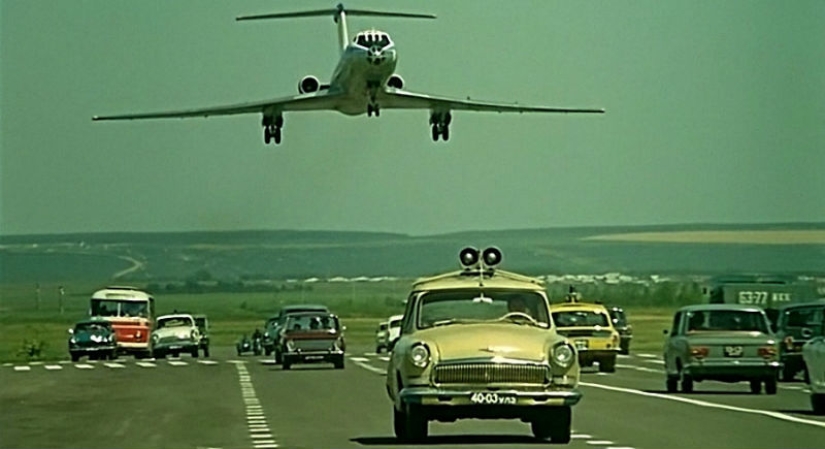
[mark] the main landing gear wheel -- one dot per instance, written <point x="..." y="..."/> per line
<point x="272" y="129"/>
<point x="440" y="125"/>
<point x="373" y="109"/>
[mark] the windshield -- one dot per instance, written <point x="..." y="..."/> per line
<point x="619" y="318"/>
<point x="311" y="322"/>
<point x="581" y="318"/>
<point x="450" y="306"/>
<point x="726" y="320"/>
<point x="396" y="322"/>
<point x="174" y="322"/>
<point x="810" y="317"/>
<point x="120" y="308"/>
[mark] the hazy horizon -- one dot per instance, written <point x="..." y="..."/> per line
<point x="714" y="116"/>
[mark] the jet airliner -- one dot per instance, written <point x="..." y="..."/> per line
<point x="364" y="81"/>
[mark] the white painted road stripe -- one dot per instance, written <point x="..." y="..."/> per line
<point x="580" y="436"/>
<point x="177" y="363"/>
<point x="146" y="364"/>
<point x="64" y="362"/>
<point x="776" y="415"/>
<point x="53" y="367"/>
<point x="207" y="362"/>
<point x="22" y="368"/>
<point x="600" y="442"/>
<point x="265" y="446"/>
<point x="35" y="363"/>
<point x="84" y="366"/>
<point x="114" y="365"/>
<point x="359" y="359"/>
<point x="660" y="362"/>
<point x="641" y="368"/>
<point x="263" y="430"/>
<point x="386" y="359"/>
<point x="648" y="356"/>
<point x="8" y="364"/>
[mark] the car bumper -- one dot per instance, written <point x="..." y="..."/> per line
<point x="438" y="397"/>
<point x="733" y="372"/>
<point x="177" y="346"/>
<point x="312" y="356"/>
<point x="92" y="350"/>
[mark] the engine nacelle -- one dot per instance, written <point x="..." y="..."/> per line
<point x="308" y="85"/>
<point x="395" y="82"/>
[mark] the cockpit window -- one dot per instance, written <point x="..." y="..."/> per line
<point x="372" y="39"/>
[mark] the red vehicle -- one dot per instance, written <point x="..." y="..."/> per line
<point x="311" y="337"/>
<point x="131" y="312"/>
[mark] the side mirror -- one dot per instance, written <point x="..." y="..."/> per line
<point x="807" y="333"/>
<point x="71" y="331"/>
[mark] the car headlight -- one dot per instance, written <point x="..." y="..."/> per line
<point x="290" y="345"/>
<point x="72" y="341"/>
<point x="563" y="355"/>
<point x="420" y="355"/>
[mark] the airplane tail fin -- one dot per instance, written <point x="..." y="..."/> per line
<point x="339" y="15"/>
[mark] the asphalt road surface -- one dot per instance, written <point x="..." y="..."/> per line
<point x="246" y="402"/>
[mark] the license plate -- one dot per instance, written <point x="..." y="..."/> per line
<point x="733" y="351"/>
<point x="581" y="344"/>
<point x="492" y="398"/>
<point x="175" y="347"/>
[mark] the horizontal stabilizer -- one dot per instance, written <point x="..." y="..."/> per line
<point x="335" y="12"/>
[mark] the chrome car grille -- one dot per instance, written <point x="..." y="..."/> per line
<point x="484" y="373"/>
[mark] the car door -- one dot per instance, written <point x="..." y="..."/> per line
<point x="671" y="346"/>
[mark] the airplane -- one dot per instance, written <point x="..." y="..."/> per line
<point x="364" y="81"/>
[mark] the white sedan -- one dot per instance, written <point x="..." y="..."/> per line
<point x="814" y="355"/>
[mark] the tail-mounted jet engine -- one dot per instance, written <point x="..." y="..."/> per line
<point x="396" y="82"/>
<point x="308" y="85"/>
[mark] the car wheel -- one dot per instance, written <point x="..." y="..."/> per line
<point x="206" y="351"/>
<point x="554" y="424"/>
<point x="687" y="384"/>
<point x="807" y="377"/>
<point x="770" y="385"/>
<point x="672" y="384"/>
<point x="818" y="403"/>
<point x="756" y="386"/>
<point x="416" y="423"/>
<point x="194" y="352"/>
<point x="788" y="374"/>
<point x="75" y="357"/>
<point x="287" y="365"/>
<point x="607" y="365"/>
<point x="399" y="424"/>
<point x="278" y="358"/>
<point x="267" y="352"/>
<point x="339" y="364"/>
<point x="624" y="347"/>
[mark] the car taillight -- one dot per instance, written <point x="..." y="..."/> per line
<point x="699" y="352"/>
<point x="767" y="352"/>
<point x="788" y="342"/>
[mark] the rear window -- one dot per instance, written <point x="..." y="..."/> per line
<point x="576" y="318"/>
<point x="804" y="317"/>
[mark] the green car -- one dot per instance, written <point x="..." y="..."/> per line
<point x="94" y="338"/>
<point x="722" y="342"/>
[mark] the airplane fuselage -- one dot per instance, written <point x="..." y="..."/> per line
<point x="359" y="74"/>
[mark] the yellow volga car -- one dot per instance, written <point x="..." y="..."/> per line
<point x="590" y="328"/>
<point x="479" y="343"/>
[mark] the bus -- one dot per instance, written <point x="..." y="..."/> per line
<point x="131" y="312"/>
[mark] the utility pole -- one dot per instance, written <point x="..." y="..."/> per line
<point x="62" y="292"/>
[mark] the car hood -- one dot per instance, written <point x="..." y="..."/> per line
<point x="515" y="341"/>
<point x="729" y="338"/>
<point x="90" y="336"/>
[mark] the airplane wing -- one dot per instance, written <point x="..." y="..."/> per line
<point x="316" y="101"/>
<point x="401" y="99"/>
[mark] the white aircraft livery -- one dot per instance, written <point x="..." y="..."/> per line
<point x="364" y="81"/>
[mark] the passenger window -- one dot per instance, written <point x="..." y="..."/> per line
<point x="674" y="330"/>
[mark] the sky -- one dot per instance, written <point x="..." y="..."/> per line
<point x="715" y="113"/>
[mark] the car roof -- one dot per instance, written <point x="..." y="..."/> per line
<point x="802" y="305"/>
<point x="469" y="279"/>
<point x="175" y="315"/>
<point x="559" y="306"/>
<point x="396" y="317"/>
<point x="699" y="307"/>
<point x="312" y="313"/>
<point x="302" y="307"/>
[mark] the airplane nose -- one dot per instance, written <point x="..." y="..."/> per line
<point x="375" y="56"/>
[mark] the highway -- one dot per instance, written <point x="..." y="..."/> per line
<point x="246" y="402"/>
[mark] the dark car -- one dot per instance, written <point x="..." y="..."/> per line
<point x="273" y="325"/>
<point x="311" y="337"/>
<point x="619" y="318"/>
<point x="795" y="325"/>
<point x="95" y="338"/>
<point x="203" y="326"/>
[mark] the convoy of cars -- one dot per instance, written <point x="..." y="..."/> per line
<point x="486" y="343"/>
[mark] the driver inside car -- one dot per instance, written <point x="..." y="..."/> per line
<point x="518" y="304"/>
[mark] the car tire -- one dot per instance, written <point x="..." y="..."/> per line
<point x="756" y="386"/>
<point x="206" y="351"/>
<point x="553" y="424"/>
<point x="770" y="385"/>
<point x="339" y="363"/>
<point x="607" y="365"/>
<point x="788" y="373"/>
<point x="278" y="358"/>
<point x="672" y="384"/>
<point x="687" y="384"/>
<point x="399" y="424"/>
<point x="194" y="353"/>
<point x="416" y="423"/>
<point x="818" y="403"/>
<point x="286" y="365"/>
<point x="624" y="347"/>
<point x="75" y="356"/>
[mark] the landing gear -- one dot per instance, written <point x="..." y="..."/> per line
<point x="440" y="122"/>
<point x="272" y="128"/>
<point x="373" y="109"/>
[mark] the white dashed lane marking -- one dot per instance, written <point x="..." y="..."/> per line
<point x="114" y="365"/>
<point x="84" y="366"/>
<point x="146" y="364"/>
<point x="53" y="367"/>
<point x="600" y="442"/>
<point x="177" y="363"/>
<point x="359" y="359"/>
<point x="22" y="368"/>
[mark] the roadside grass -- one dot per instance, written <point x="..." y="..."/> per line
<point x="28" y="333"/>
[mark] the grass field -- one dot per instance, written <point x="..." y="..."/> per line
<point x="360" y="305"/>
<point x="756" y="237"/>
